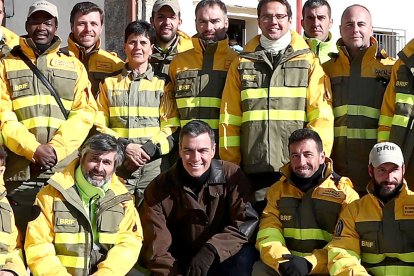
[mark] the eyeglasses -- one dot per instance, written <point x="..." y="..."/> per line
<point x="269" y="17"/>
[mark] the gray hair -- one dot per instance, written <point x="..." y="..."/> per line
<point x="103" y="143"/>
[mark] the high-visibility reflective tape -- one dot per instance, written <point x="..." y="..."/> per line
<point x="198" y="101"/>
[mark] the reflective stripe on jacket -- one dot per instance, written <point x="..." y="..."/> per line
<point x="379" y="235"/>
<point x="161" y="59"/>
<point x="136" y="108"/>
<point x="99" y="63"/>
<point x="198" y="76"/>
<point x="300" y="223"/>
<point x="358" y="86"/>
<point x="264" y="102"/>
<point x="30" y="114"/>
<point x="59" y="240"/>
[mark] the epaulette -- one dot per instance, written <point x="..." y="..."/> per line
<point x="65" y="51"/>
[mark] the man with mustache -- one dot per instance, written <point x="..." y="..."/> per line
<point x="374" y="235"/>
<point x="42" y="136"/>
<point x="316" y="23"/>
<point x="302" y="210"/>
<point x="198" y="75"/>
<point x="85" y="214"/>
<point x="86" y="22"/>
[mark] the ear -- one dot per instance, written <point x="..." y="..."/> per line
<point x="322" y="158"/>
<point x="371" y="170"/>
<point x="213" y="149"/>
<point x="2" y="169"/>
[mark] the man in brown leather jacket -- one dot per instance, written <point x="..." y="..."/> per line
<point x="195" y="216"/>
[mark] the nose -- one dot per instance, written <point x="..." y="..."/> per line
<point x="99" y="166"/>
<point x="302" y="160"/>
<point x="196" y="156"/>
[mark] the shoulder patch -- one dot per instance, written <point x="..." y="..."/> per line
<point x="338" y="228"/>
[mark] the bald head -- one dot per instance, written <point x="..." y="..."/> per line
<point x="356" y="28"/>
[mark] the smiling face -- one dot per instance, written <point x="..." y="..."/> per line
<point x="305" y="158"/>
<point x="98" y="167"/>
<point x="87" y="28"/>
<point x="138" y="49"/>
<point x="197" y="153"/>
<point x="272" y="27"/>
<point x="356" y="28"/>
<point x="317" y="23"/>
<point x="166" y="24"/>
<point x="41" y="27"/>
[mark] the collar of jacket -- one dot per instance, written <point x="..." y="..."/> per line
<point x="221" y="46"/>
<point x="297" y="43"/>
<point x="30" y="50"/>
<point x="216" y="174"/>
<point x="408" y="50"/>
<point x="149" y="74"/>
<point x="402" y="194"/>
<point x="80" y="51"/>
<point x="286" y="171"/>
<point x="372" y="52"/>
<point x="314" y="43"/>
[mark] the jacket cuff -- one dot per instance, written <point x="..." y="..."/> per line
<point x="150" y="148"/>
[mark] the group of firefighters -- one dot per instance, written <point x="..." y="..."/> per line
<point x="191" y="158"/>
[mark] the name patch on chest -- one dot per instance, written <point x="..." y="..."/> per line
<point x="367" y="244"/>
<point x="62" y="63"/>
<point x="249" y="77"/>
<point x="104" y="66"/>
<point x="408" y="210"/>
<point x="19" y="87"/>
<point x="331" y="193"/>
<point x="65" y="222"/>
<point x="286" y="217"/>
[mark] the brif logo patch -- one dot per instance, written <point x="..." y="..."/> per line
<point x="338" y="228"/>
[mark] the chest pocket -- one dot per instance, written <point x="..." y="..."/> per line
<point x="296" y="73"/>
<point x="21" y="83"/>
<point x="368" y="232"/>
<point x="110" y="219"/>
<point x="249" y="79"/>
<point x="65" y="222"/>
<point x="64" y="82"/>
<point x="5" y="222"/>
<point x="288" y="211"/>
<point x="186" y="84"/>
<point x="407" y="230"/>
<point x="326" y="214"/>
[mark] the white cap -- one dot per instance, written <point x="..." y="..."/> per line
<point x="386" y="152"/>
<point x="43" y="6"/>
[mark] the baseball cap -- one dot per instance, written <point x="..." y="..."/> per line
<point x="386" y="152"/>
<point x="173" y="4"/>
<point x="43" y="6"/>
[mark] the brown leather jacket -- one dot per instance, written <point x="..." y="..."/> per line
<point x="177" y="223"/>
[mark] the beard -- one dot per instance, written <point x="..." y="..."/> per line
<point x="91" y="178"/>
<point x="384" y="193"/>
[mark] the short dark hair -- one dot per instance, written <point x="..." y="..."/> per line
<point x="195" y="128"/>
<point x="283" y="2"/>
<point x="140" y="27"/>
<point x="205" y="3"/>
<point x="3" y="154"/>
<point x="103" y="143"/>
<point x="313" y="4"/>
<point x="305" y="134"/>
<point x="85" y="8"/>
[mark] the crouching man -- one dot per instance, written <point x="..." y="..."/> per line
<point x="195" y="216"/>
<point x="84" y="222"/>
